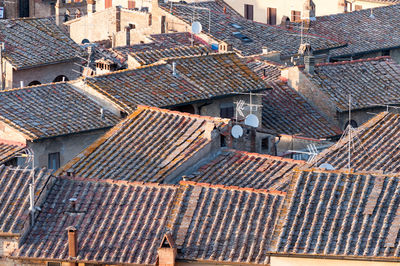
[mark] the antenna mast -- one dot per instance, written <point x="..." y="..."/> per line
<point x="349" y="128"/>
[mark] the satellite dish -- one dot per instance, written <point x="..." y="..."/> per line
<point x="251" y="120"/>
<point x="196" y="27"/>
<point x="327" y="166"/>
<point x="237" y="131"/>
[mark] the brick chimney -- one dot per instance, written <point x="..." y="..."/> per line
<point x="91" y="6"/>
<point x="308" y="13"/>
<point x="167" y="251"/>
<point x="72" y="244"/>
<point x="342" y="6"/>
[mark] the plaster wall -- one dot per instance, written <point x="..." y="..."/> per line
<point x="293" y="261"/>
<point x="44" y="74"/>
<point x="68" y="146"/>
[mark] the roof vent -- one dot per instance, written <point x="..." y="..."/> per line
<point x="72" y="204"/>
<point x="174" y="69"/>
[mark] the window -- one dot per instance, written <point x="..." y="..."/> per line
<point x="60" y="78"/>
<point x="248" y="12"/>
<point x="108" y="3"/>
<point x="386" y="53"/>
<point x="150" y="19"/>
<point x="54" y="160"/>
<point x="227" y="110"/>
<point x="53" y="264"/>
<point x="265" y="144"/>
<point x="357" y="7"/>
<point x="35" y="82"/>
<point x="223" y="141"/>
<point x="352" y="123"/>
<point x="271" y="16"/>
<point x="163" y="24"/>
<point x="131" y="4"/>
<point x="296" y="16"/>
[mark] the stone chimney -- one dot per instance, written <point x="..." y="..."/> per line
<point x="167" y="251"/>
<point x="308" y="13"/>
<point x="306" y="53"/>
<point x="57" y="11"/>
<point x="91" y="6"/>
<point x="342" y="6"/>
<point x="72" y="244"/>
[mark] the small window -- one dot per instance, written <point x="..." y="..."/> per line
<point x="352" y="123"/>
<point x="271" y="16"/>
<point x="60" y="78"/>
<point x="54" y="160"/>
<point x="265" y="144"/>
<point x="296" y="16"/>
<point x="33" y="83"/>
<point x="223" y="141"/>
<point x="386" y="53"/>
<point x="150" y="19"/>
<point x="248" y="12"/>
<point x="358" y="7"/>
<point x="227" y="110"/>
<point x="53" y="264"/>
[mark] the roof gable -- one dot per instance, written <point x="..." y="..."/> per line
<point x="333" y="213"/>
<point x="51" y="110"/>
<point x="31" y="42"/>
<point x="370" y="82"/>
<point x="149" y="145"/>
<point x="244" y="169"/>
<point x="374" y="148"/>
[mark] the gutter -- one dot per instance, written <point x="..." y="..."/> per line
<point x="73" y="133"/>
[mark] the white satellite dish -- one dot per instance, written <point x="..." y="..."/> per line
<point x="251" y="120"/>
<point x="237" y="131"/>
<point x="327" y="166"/>
<point x="196" y="27"/>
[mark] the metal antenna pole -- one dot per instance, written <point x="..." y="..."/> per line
<point x="349" y="128"/>
<point x="1" y="66"/>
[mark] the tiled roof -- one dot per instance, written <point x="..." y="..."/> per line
<point x="120" y="222"/>
<point x="243" y="169"/>
<point x="374" y="147"/>
<point x="361" y="31"/>
<point x="225" y="224"/>
<point x="8" y="150"/>
<point x="369" y="81"/>
<point x="51" y="110"/>
<point x="116" y="222"/>
<point x="287" y="112"/>
<point x="223" y="26"/>
<point x="14" y="196"/>
<point x="337" y="214"/>
<point x="198" y="78"/>
<point x="152" y="56"/>
<point x="268" y="71"/>
<point x="162" y="41"/>
<point x="36" y="41"/>
<point x="148" y="146"/>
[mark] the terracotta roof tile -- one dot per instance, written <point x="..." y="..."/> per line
<point x="251" y="170"/>
<point x="287" y="112"/>
<point x="8" y="150"/>
<point x="198" y="78"/>
<point x="153" y="56"/>
<point x="371" y="82"/>
<point x="14" y="196"/>
<point x="51" y="110"/>
<point x="225" y="224"/>
<point x="337" y="214"/>
<point x="116" y="223"/>
<point x="148" y="146"/>
<point x="360" y="31"/>
<point x="122" y="222"/>
<point x="268" y="71"/>
<point x="35" y="41"/>
<point x="375" y="147"/>
<point x="224" y="25"/>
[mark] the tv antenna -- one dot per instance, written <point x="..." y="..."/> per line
<point x="312" y="152"/>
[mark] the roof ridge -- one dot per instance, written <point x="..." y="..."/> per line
<point x="195" y="56"/>
<point x="161" y="62"/>
<point x="35" y="86"/>
<point x="345" y="171"/>
<point x="378" y="58"/>
<point x="273" y="157"/>
<point x="180" y="47"/>
<point x="162" y="110"/>
<point x="116" y="182"/>
<point x="248" y="189"/>
<point x="11" y="142"/>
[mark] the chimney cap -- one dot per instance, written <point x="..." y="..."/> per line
<point x="71" y="229"/>
<point x="73" y="199"/>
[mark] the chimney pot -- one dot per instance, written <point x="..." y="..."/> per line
<point x="72" y="202"/>
<point x="72" y="242"/>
